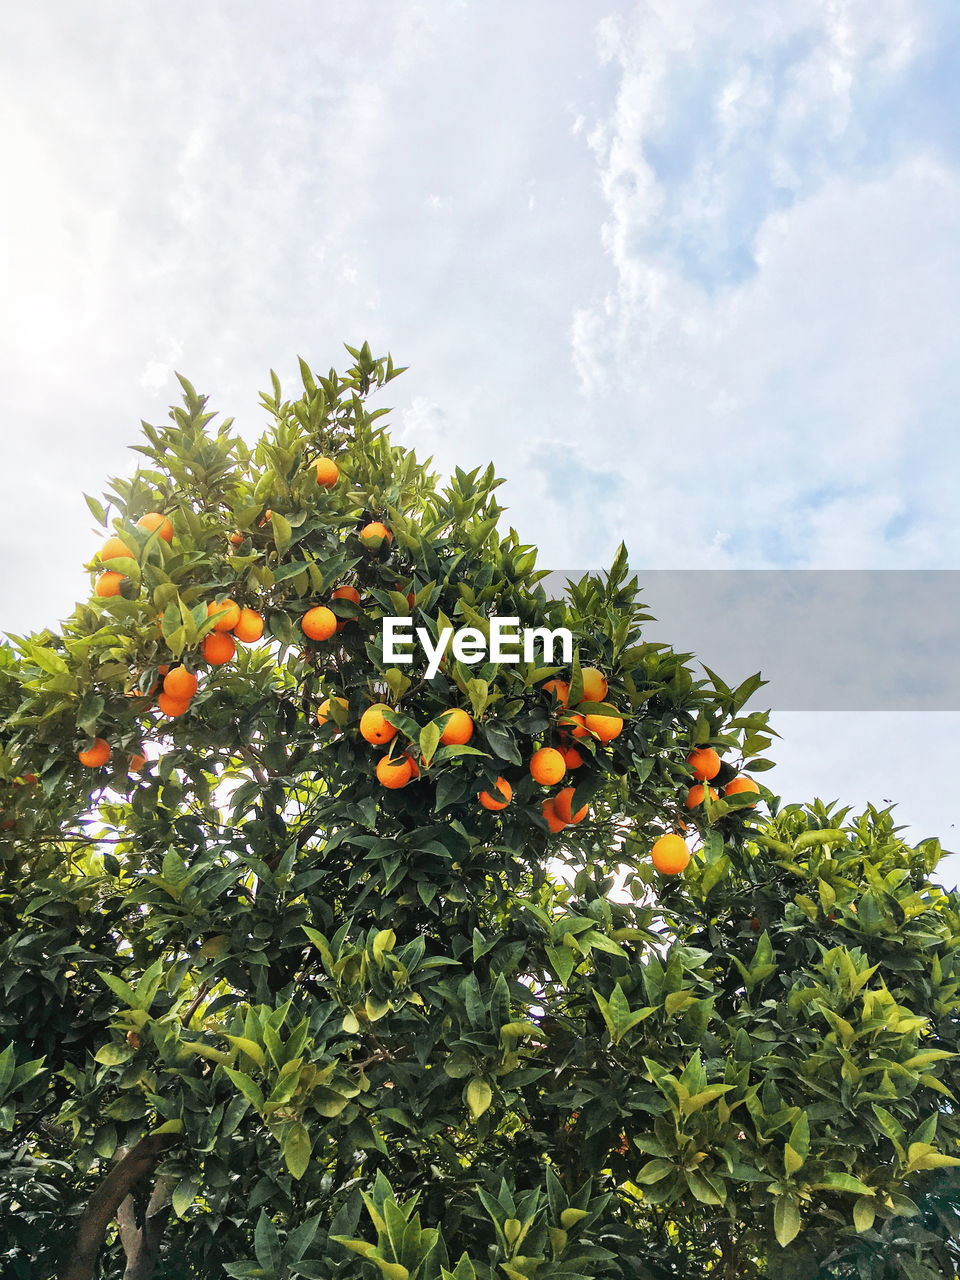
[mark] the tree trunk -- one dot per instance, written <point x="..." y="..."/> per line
<point x="141" y="1242"/>
<point x="136" y="1165"/>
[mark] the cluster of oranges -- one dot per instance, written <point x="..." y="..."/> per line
<point x="109" y="582"/>
<point x="670" y="853"/>
<point x="705" y="764"/>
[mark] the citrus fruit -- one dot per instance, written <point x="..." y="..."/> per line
<point x="605" y="728"/>
<point x="154" y="521"/>
<point x="704" y="762"/>
<point x="323" y="711"/>
<point x="113" y="549"/>
<point x="457" y="727"/>
<point x="180" y="684"/>
<point x="96" y="755"/>
<point x="319" y="623"/>
<point x="552" y="818"/>
<point x="670" y="855"/>
<point x="394" y="771"/>
<point x="328" y="473"/>
<point x="374" y="728"/>
<point x="594" y="684"/>
<point x="373" y="534"/>
<point x="172" y="707"/>
<point x="137" y="761"/>
<point x="503" y="794"/>
<point x="546" y="766"/>
<point x="562" y="802"/>
<point x="736" y="786"/>
<point x="219" y="648"/>
<point x="572" y="757"/>
<point x="346" y="593"/>
<point x="574" y="724"/>
<point x="249" y="626"/>
<point x="695" y="796"/>
<point x="108" y="584"/>
<point x="560" y="690"/>
<point x="227" y="613"/>
<point x="236" y="538"/>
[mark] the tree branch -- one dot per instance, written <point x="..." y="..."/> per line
<point x="106" y="1200"/>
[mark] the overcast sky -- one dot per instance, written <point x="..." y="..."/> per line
<point x="687" y="272"/>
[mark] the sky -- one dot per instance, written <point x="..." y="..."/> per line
<point x="687" y="273"/>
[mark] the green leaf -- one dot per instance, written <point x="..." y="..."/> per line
<point x="282" y="532"/>
<point x="266" y="1242"/>
<point x="786" y="1220"/>
<point x="864" y="1212"/>
<point x="247" y="1087"/>
<point x="429" y="741"/>
<point x="297" y="1149"/>
<point x="479" y="1097"/>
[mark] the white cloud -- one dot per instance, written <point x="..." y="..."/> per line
<point x="781" y="336"/>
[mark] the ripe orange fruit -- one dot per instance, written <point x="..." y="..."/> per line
<point x="249" y="626"/>
<point x="457" y="727"/>
<point x="560" y="690"/>
<point x="96" y="755"/>
<point x="605" y="728"/>
<point x="319" y="623"/>
<point x="172" y="707"/>
<point x="346" y="593"/>
<point x="503" y="796"/>
<point x="328" y="473"/>
<point x="236" y="538"/>
<point x="572" y="758"/>
<point x="218" y="648"/>
<point x="180" y="684"/>
<point x="226" y="621"/>
<point x="323" y="711"/>
<point x="108" y="584"/>
<point x="553" y="819"/>
<point x="594" y="684"/>
<point x="267" y="517"/>
<point x="704" y="762"/>
<point x="373" y="534"/>
<point x="574" y="724"/>
<point x="155" y="520"/>
<point x="374" y="728"/>
<point x="137" y="761"/>
<point x="546" y="766"/>
<point x="670" y="855"/>
<point x="562" y="802"/>
<point x="395" y="771"/>
<point x="695" y="796"/>
<point x="736" y="786"/>
<point x="113" y="549"/>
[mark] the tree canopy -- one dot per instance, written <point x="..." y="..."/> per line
<point x="267" y="1013"/>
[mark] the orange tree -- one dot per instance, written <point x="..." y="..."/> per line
<point x="316" y="964"/>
